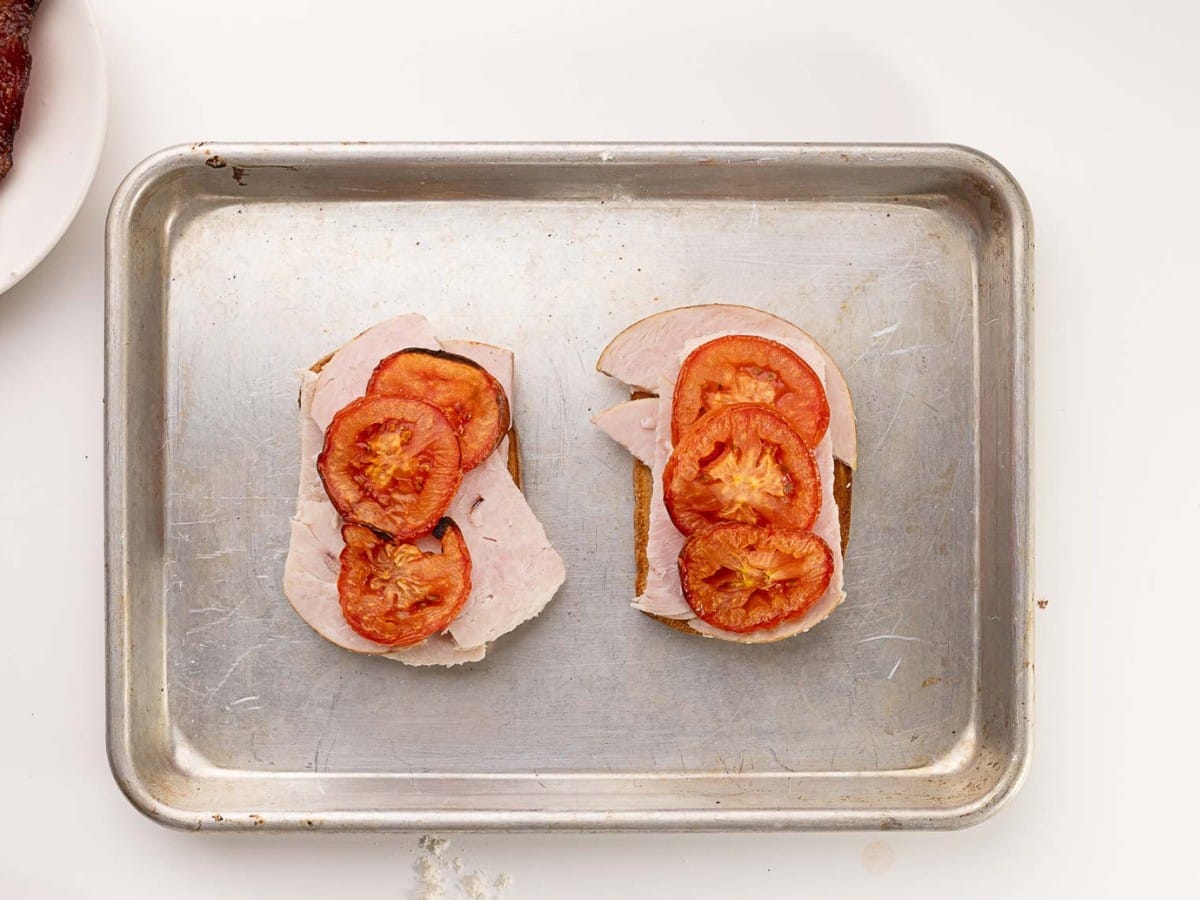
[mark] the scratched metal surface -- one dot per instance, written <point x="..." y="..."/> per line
<point x="232" y="267"/>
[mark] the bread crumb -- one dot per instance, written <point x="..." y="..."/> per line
<point x="441" y="877"/>
<point x="431" y="879"/>
<point x="430" y="867"/>
<point x="433" y="844"/>
<point x="475" y="887"/>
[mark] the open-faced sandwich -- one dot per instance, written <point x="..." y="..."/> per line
<point x="411" y="538"/>
<point x="743" y="435"/>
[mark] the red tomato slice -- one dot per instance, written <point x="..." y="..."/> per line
<point x="742" y="463"/>
<point x="742" y="368"/>
<point x="470" y="397"/>
<point x="742" y="577"/>
<point x="390" y="463"/>
<point x="397" y="594"/>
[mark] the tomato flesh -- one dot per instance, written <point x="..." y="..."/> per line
<point x="744" y="368"/>
<point x="743" y="578"/>
<point x="397" y="594"/>
<point x="468" y="395"/>
<point x="391" y="463"/>
<point x="742" y="463"/>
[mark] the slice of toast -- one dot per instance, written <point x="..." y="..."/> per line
<point x="509" y="522"/>
<point x="642" y="354"/>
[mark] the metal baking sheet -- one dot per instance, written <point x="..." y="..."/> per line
<point x="230" y="267"/>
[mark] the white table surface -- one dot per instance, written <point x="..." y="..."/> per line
<point x="1090" y="105"/>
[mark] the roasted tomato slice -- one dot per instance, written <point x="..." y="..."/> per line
<point x="391" y="463"/>
<point x="742" y="368"/>
<point x="398" y="594"/>
<point x="471" y="398"/>
<point x="742" y="463"/>
<point x="742" y="577"/>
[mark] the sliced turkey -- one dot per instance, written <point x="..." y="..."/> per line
<point x="514" y="570"/>
<point x="633" y="425"/>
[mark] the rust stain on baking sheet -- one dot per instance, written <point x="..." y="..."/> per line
<point x="240" y="172"/>
<point x="215" y="162"/>
<point x="1043" y="603"/>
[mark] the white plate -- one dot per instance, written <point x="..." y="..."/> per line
<point x="59" y="141"/>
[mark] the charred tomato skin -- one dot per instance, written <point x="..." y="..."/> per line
<point x="745" y="368"/>
<point x="742" y="463"/>
<point x="744" y="578"/>
<point x="468" y="395"/>
<point x="391" y="463"/>
<point x="397" y="594"/>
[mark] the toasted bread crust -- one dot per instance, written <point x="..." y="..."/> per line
<point x="320" y="363"/>
<point x="514" y="458"/>
<point x="643" y="488"/>
<point x="843" y="488"/>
